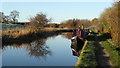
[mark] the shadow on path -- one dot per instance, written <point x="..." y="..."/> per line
<point x="103" y="57"/>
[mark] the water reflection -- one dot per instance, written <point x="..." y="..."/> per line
<point x="0" y="52"/>
<point x="76" y="44"/>
<point x="39" y="49"/>
<point x="0" y="46"/>
<point x="55" y="49"/>
<point x="67" y="35"/>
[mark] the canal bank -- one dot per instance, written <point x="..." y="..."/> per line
<point x="29" y="34"/>
<point x="98" y="52"/>
<point x="52" y="51"/>
<point x="88" y="56"/>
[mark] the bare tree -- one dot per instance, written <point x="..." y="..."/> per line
<point x="7" y="19"/>
<point x="40" y="19"/>
<point x="14" y="15"/>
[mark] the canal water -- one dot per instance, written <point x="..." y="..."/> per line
<point x="53" y="51"/>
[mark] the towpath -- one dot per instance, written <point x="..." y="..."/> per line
<point x="103" y="56"/>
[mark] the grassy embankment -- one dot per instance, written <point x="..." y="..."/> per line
<point x="87" y="57"/>
<point x="112" y="50"/>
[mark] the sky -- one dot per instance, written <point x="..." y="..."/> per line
<point x="58" y="11"/>
<point x="58" y="0"/>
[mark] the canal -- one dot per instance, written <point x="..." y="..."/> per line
<point x="51" y="51"/>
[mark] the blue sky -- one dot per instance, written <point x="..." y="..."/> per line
<point x="58" y="11"/>
<point x="58" y="0"/>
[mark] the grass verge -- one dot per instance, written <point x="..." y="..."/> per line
<point x="114" y="54"/>
<point x="87" y="57"/>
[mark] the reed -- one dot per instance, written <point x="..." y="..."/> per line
<point x="27" y="35"/>
<point x="17" y="32"/>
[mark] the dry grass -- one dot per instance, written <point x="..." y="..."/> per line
<point x="19" y="31"/>
<point x="0" y="33"/>
<point x="26" y="35"/>
<point x="55" y="29"/>
<point x="14" y="33"/>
